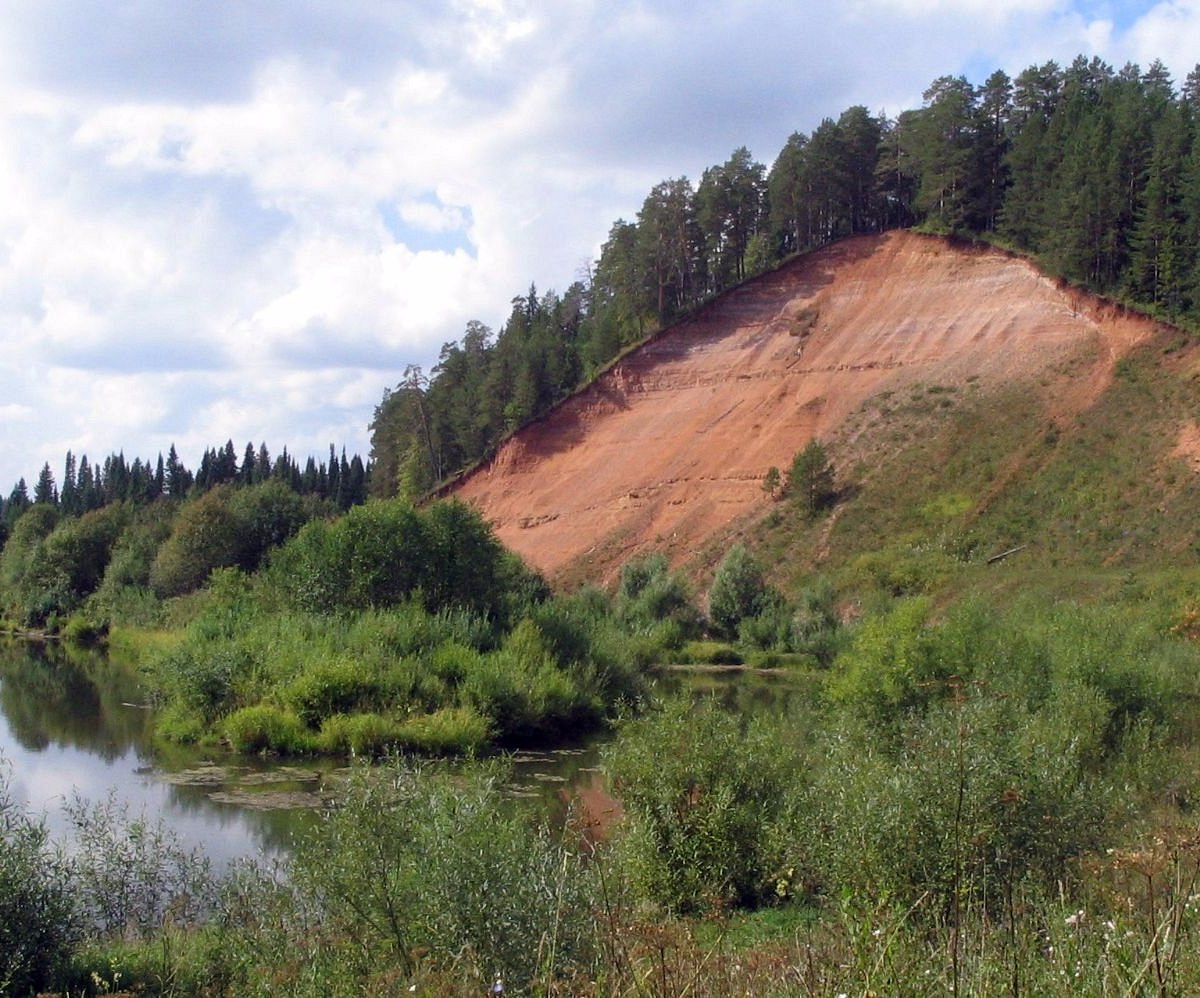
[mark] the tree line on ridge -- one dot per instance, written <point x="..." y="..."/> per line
<point x="1093" y="171"/>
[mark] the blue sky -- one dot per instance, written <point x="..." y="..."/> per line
<point x="240" y="220"/>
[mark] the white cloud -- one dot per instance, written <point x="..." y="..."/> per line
<point x="244" y="227"/>
<point x="1170" y="32"/>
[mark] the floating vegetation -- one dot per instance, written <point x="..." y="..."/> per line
<point x="270" y="800"/>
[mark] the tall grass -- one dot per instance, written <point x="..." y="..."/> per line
<point x="449" y="680"/>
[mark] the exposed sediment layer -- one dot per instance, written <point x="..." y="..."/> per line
<point x="672" y="444"/>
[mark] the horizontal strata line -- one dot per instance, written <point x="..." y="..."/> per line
<point x="646" y="492"/>
<point x="660" y="386"/>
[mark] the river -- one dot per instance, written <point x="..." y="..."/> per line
<point x="75" y="725"/>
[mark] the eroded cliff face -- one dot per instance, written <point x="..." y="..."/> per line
<point x="671" y="445"/>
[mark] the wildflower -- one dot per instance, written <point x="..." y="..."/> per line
<point x="1077" y="919"/>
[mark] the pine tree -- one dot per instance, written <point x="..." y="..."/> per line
<point x="45" y="491"/>
<point x="810" y="479"/>
<point x="176" y="474"/>
<point x="85" y="484"/>
<point x="18" y="502"/>
<point x="69" y="496"/>
<point x="1160" y="252"/>
<point x="248" y="473"/>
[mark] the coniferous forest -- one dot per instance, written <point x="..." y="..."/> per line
<point x="1091" y="170"/>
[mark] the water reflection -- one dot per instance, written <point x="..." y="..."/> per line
<point x="778" y="693"/>
<point x="72" y="725"/>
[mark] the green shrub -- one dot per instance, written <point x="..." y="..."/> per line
<point x="739" y="590"/>
<point x="892" y="665"/>
<point x="175" y="722"/>
<point x="409" y="629"/>
<point x="383" y="554"/>
<point x="453" y="662"/>
<point x="710" y="653"/>
<point x="704" y="793"/>
<point x="326" y="688"/>
<point x="425" y="871"/>
<point x="203" y="679"/>
<point x="134" y="551"/>
<point x="450" y="731"/>
<point x="38" y="917"/>
<point x="85" y="630"/>
<point x="204" y="536"/>
<point x="266" y="515"/>
<point x="266" y="728"/>
<point x="132" y="606"/>
<point x="367" y="735"/>
<point x="19" y="551"/>
<point x="132" y="875"/>
<point x="980" y="795"/>
<point x="650" y="594"/>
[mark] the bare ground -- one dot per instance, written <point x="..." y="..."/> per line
<point x="671" y="445"/>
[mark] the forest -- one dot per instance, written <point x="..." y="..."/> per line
<point x="125" y="534"/>
<point x="1092" y="171"/>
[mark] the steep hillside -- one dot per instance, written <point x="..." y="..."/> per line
<point x="670" y="447"/>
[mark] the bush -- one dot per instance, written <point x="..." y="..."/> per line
<point x="266" y="728"/>
<point x="650" y="594"/>
<point x="326" y="688"/>
<point x="703" y="792"/>
<point x="981" y="795"/>
<point x="38" y="924"/>
<point x="132" y="875"/>
<point x="204" y="536"/>
<point x="69" y="563"/>
<point x="450" y="731"/>
<point x="266" y="515"/>
<point x="367" y="735"/>
<point x="892" y="665"/>
<point x="84" y="630"/>
<point x="34" y="526"/>
<point x="385" y="553"/>
<point x="738" y="591"/>
<point x="421" y="869"/>
<point x="202" y="679"/>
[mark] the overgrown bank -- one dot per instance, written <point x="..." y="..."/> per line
<point x="974" y="801"/>
<point x="395" y="628"/>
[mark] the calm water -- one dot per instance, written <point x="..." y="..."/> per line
<point x="72" y="724"/>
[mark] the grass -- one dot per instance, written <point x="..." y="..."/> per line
<point x="928" y="494"/>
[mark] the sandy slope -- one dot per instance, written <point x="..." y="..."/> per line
<point x="672" y="444"/>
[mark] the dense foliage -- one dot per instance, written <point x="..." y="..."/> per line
<point x="1094" y="171"/>
<point x="976" y="801"/>
<point x="86" y="487"/>
<point x="394" y="627"/>
<point x="123" y="557"/>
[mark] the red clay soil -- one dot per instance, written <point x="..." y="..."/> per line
<point x="671" y="445"/>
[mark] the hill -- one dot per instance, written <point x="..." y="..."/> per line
<point x="669" y="448"/>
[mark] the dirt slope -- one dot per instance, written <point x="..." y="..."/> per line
<point x="672" y="444"/>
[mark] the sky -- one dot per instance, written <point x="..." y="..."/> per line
<point x="241" y="219"/>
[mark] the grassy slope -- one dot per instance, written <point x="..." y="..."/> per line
<point x="940" y="478"/>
